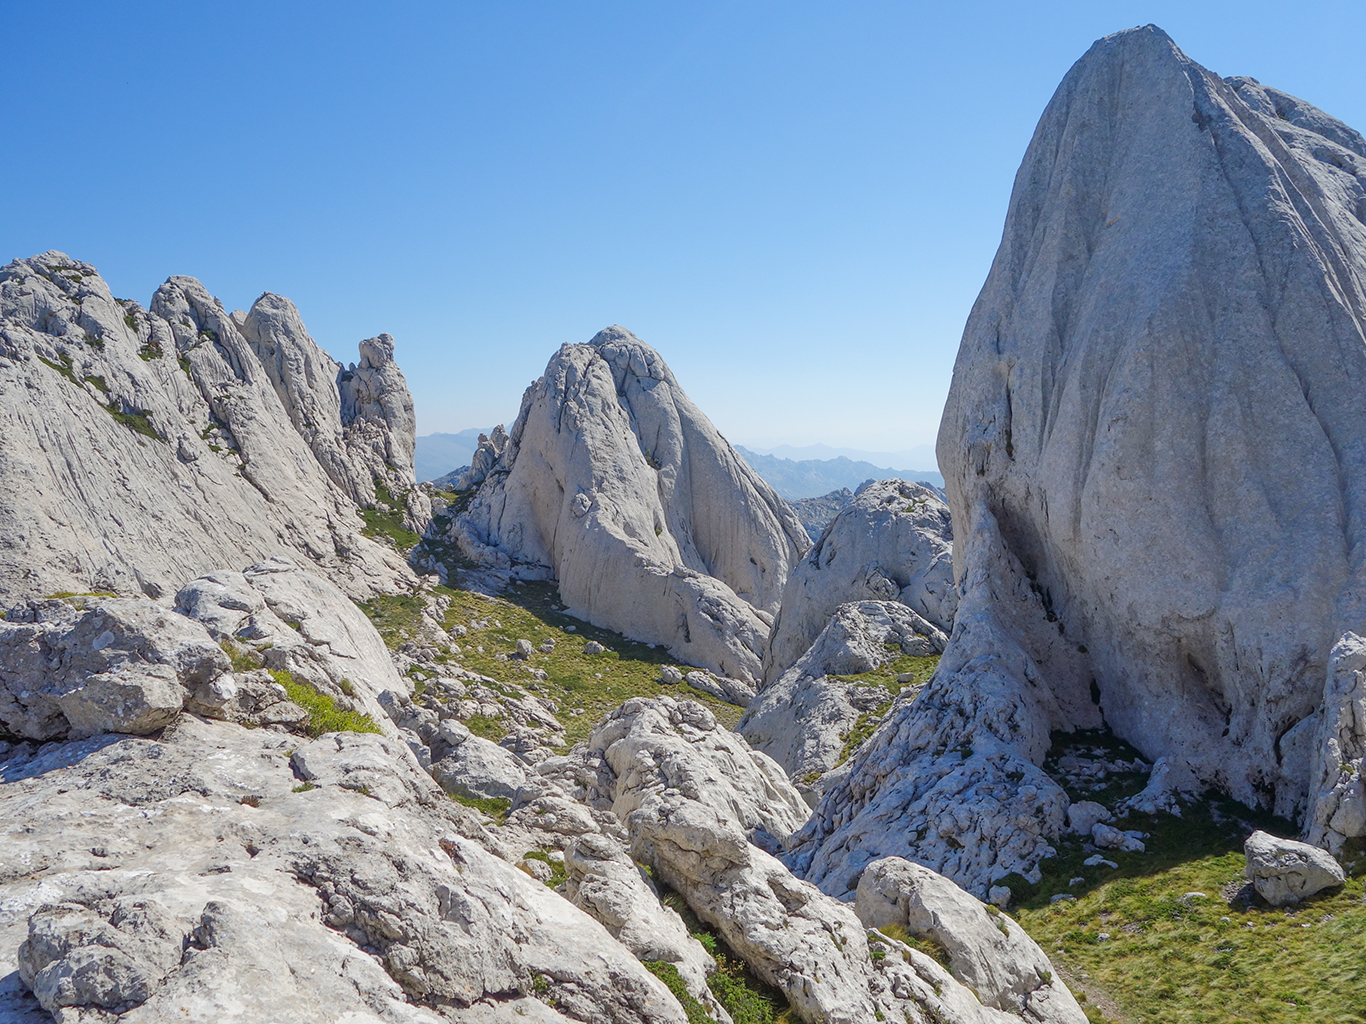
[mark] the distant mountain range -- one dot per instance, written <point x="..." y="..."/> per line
<point x="438" y="454"/>
<point x="807" y="472"/>
<point x="811" y="478"/>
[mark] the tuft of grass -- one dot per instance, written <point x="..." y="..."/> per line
<point x="496" y="807"/>
<point x="243" y="659"/>
<point x="930" y="948"/>
<point x="558" y="874"/>
<point x="136" y="420"/>
<point x="486" y="727"/>
<point x="63" y="367"/>
<point x="323" y="713"/>
<point x="67" y="595"/>
<point x="303" y="787"/>
<point x="151" y="350"/>
<point x="673" y="981"/>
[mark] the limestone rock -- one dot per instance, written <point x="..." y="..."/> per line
<point x="893" y="542"/>
<point x="608" y="885"/>
<point x="1284" y="871"/>
<point x="102" y="665"/>
<point x="803" y="719"/>
<point x="143" y="447"/>
<point x="614" y="484"/>
<point x="1153" y="447"/>
<point x="479" y="769"/>
<point x="1084" y="814"/>
<point x="654" y="744"/>
<point x="194" y="877"/>
<point x="988" y="951"/>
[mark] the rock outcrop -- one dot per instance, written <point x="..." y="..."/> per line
<point x="141" y="447"/>
<point x="1155" y="454"/>
<point x="803" y="719"/>
<point x="893" y="542"/>
<point x="614" y="484"/>
<point x="686" y="791"/>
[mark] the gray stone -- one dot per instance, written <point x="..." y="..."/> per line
<point x="988" y="951"/>
<point x="1108" y="838"/>
<point x="614" y="484"/>
<point x="1284" y="871"/>
<point x="479" y="769"/>
<point x="1084" y="814"/>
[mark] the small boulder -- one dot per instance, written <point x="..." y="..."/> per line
<point x="524" y="650"/>
<point x="1084" y="815"/>
<point x="593" y="647"/>
<point x="479" y="769"/>
<point x="1108" y="838"/>
<point x="670" y="675"/>
<point x="1284" y="871"/>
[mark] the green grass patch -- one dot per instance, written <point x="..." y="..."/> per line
<point x="244" y="659"/>
<point x="919" y="667"/>
<point x="673" y="981"/>
<point x="386" y="520"/>
<point x="1162" y="955"/>
<point x="496" y="807"/>
<point x="323" y="713"/>
<point x="530" y="612"/>
<point x="136" y="420"/>
<point x="558" y="874"/>
<point x="397" y="617"/>
<point x="63" y="367"/>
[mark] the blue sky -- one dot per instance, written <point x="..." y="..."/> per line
<point x="795" y="203"/>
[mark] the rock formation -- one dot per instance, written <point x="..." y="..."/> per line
<point x="1155" y="453"/>
<point x="893" y="542"/>
<point x="141" y="447"/>
<point x="614" y="484"/>
<point x="803" y="719"/>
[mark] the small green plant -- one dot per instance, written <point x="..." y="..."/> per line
<point x="250" y="801"/>
<point x="151" y="350"/>
<point x="347" y="687"/>
<point x="323" y="713"/>
<point x="303" y="787"/>
<point x="486" y="727"/>
<point x="131" y="321"/>
<point x="63" y="367"/>
<point x="558" y="875"/>
<point x="673" y="981"/>
<point x="496" y="807"/>
<point x="357" y="787"/>
<point x="136" y="420"/>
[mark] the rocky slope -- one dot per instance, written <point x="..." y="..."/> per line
<point x="1156" y="452"/>
<point x="140" y="447"/>
<point x="614" y="484"/>
<point x="893" y="542"/>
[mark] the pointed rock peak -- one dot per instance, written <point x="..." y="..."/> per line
<point x="376" y="353"/>
<point x="614" y="335"/>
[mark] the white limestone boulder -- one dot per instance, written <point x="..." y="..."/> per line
<point x="614" y="484"/>
<point x="893" y="542"/>
<point x="987" y="950"/>
<point x="1284" y="871"/>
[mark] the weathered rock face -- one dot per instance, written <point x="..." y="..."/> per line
<point x="893" y="542"/>
<point x="687" y="796"/>
<point x="195" y="877"/>
<point x="1155" y="453"/>
<point x="613" y="483"/>
<point x="802" y="719"/>
<point x="988" y="951"/>
<point x="140" y="447"/>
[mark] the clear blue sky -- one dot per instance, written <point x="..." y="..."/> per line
<point x="795" y="203"/>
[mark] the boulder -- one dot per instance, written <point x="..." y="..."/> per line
<point x="143" y="447"/>
<point x="893" y="542"/>
<point x="614" y="484"/>
<point x="987" y="950"/>
<point x="803" y="719"/>
<point x="480" y="769"/>
<point x="1284" y="871"/>
<point x="1153" y="446"/>
<point x="1084" y="814"/>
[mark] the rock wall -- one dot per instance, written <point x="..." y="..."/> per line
<point x="614" y="484"/>
<point x="141" y="447"/>
<point x="1155" y="454"/>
